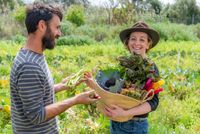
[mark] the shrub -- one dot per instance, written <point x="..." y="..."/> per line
<point x="123" y="15"/>
<point x="196" y="29"/>
<point x="101" y="33"/>
<point x="98" y="33"/>
<point x="18" y="39"/>
<point x="175" y="32"/>
<point x="67" y="28"/>
<point x="8" y="26"/>
<point x="74" y="40"/>
<point x="96" y="15"/>
<point x="20" y="14"/>
<point x="85" y="30"/>
<point x="161" y="28"/>
<point x="114" y="32"/>
<point x="75" y="14"/>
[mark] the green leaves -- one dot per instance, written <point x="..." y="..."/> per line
<point x="74" y="78"/>
<point x="137" y="69"/>
<point x="75" y="15"/>
<point x="178" y="110"/>
<point x="116" y="87"/>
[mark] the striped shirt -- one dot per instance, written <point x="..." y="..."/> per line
<point x="31" y="89"/>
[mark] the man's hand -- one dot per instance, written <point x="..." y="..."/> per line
<point x="86" y="97"/>
<point x="56" y="108"/>
<point x="62" y="85"/>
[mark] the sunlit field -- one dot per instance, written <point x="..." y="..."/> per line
<point x="178" y="62"/>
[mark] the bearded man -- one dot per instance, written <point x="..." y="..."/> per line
<point x="33" y="109"/>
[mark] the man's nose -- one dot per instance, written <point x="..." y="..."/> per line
<point x="59" y="33"/>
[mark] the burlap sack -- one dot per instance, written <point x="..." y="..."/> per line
<point x="125" y="102"/>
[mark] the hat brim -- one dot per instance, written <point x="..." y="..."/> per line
<point x="152" y="34"/>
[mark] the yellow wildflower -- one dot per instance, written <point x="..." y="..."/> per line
<point x="158" y="84"/>
<point x="3" y="83"/>
<point x="171" y="88"/>
<point x="77" y="92"/>
<point x="7" y="108"/>
<point x="161" y="82"/>
<point x="4" y="52"/>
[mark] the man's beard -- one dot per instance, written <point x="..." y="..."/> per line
<point x="48" y="41"/>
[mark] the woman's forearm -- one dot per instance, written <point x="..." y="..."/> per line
<point x="140" y="110"/>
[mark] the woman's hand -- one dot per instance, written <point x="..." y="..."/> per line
<point x="88" y="80"/>
<point x="114" y="111"/>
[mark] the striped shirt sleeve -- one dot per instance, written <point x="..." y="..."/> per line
<point x="31" y="90"/>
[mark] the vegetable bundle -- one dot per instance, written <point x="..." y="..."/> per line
<point x="134" y="77"/>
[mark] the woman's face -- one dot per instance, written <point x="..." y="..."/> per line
<point x="138" y="43"/>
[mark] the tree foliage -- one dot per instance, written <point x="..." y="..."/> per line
<point x="155" y="5"/>
<point x="119" y="11"/>
<point x="184" y="11"/>
<point x="6" y="5"/>
<point x="20" y="14"/>
<point x="67" y="3"/>
<point x="75" y="14"/>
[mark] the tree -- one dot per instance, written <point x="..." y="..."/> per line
<point x="119" y="11"/>
<point x="156" y="5"/>
<point x="75" y="14"/>
<point x="140" y="5"/>
<point x="110" y="6"/>
<point x="67" y="3"/>
<point x="184" y="11"/>
<point x="7" y="5"/>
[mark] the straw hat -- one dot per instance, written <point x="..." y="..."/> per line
<point x="140" y="27"/>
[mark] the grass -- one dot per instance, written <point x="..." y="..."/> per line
<point x="178" y="62"/>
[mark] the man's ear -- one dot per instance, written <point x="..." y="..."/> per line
<point x="42" y="26"/>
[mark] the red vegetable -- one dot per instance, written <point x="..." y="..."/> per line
<point x="148" y="84"/>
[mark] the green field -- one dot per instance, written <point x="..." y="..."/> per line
<point x="178" y="62"/>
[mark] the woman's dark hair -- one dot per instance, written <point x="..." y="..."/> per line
<point x="40" y="11"/>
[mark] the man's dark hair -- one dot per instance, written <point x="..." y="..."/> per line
<point x="40" y="11"/>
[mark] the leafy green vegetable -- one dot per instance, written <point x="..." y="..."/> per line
<point x="74" y="78"/>
<point x="137" y="69"/>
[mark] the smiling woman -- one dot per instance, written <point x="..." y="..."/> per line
<point x="138" y="39"/>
